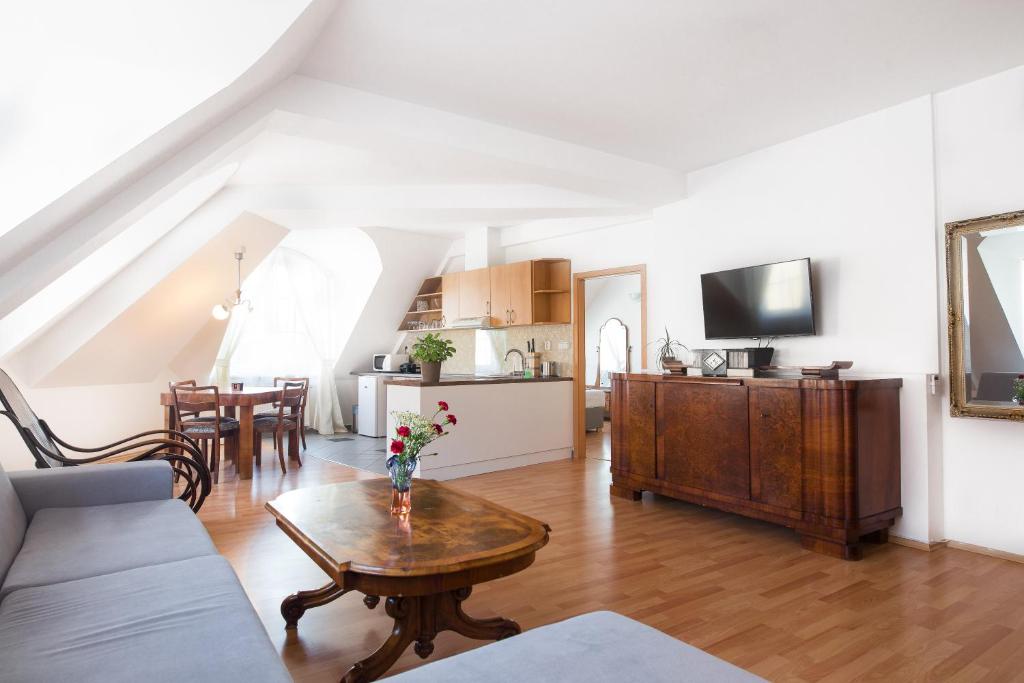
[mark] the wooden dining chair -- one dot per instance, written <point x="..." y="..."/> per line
<point x="302" y="408"/>
<point x="287" y="418"/>
<point x="191" y="402"/>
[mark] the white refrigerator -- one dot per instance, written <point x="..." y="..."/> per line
<point x="372" y="406"/>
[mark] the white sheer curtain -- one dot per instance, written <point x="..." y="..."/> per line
<point x="291" y="331"/>
<point x="221" y="373"/>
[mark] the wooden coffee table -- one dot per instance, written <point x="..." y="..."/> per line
<point x="425" y="563"/>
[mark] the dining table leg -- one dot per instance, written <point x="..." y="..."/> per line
<point x="170" y="422"/>
<point x="245" y="442"/>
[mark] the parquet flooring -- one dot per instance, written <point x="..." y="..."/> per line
<point x="740" y="589"/>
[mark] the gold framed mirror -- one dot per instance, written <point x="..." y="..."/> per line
<point x="985" y="285"/>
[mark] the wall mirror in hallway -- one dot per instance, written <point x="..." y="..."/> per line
<point x="985" y="268"/>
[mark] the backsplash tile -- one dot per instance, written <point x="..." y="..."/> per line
<point x="470" y="360"/>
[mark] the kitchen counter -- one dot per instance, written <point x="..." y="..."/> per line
<point x="456" y="380"/>
<point x="503" y="422"/>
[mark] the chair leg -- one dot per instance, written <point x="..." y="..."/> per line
<point x="279" y="441"/>
<point x="215" y="460"/>
<point x="257" y="447"/>
<point x="302" y="428"/>
<point x="231" y="448"/>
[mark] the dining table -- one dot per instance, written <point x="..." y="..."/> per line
<point x="244" y="401"/>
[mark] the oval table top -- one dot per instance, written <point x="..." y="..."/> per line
<point x="349" y="528"/>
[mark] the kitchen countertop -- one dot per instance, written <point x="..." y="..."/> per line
<point x="456" y="380"/>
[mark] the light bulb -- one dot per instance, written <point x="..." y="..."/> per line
<point x="220" y="312"/>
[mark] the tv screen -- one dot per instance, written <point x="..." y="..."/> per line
<point x="773" y="300"/>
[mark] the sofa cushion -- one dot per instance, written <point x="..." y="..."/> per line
<point x="599" y="647"/>
<point x="63" y="544"/>
<point x="12" y="524"/>
<point x="181" y="621"/>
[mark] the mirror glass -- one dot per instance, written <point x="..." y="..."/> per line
<point x="613" y="350"/>
<point x="992" y="328"/>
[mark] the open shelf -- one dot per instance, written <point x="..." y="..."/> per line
<point x="552" y="281"/>
<point x="431" y="292"/>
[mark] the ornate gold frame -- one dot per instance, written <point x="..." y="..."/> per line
<point x="958" y="405"/>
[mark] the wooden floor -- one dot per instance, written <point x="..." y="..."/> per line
<point x="740" y="589"/>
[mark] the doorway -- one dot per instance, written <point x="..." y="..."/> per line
<point x="610" y="330"/>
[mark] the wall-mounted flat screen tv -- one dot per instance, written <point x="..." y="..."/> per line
<point x="773" y="300"/>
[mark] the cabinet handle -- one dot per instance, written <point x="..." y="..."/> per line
<point x="765" y="415"/>
<point x="508" y="317"/>
<point x="488" y="308"/>
<point x="513" y="315"/>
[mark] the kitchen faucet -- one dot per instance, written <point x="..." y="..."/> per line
<point x="522" y="363"/>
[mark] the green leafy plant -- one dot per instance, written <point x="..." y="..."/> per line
<point x="430" y="348"/>
<point x="1018" y="389"/>
<point x="667" y="346"/>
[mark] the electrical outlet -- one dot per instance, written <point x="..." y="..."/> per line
<point x="563" y="346"/>
<point x="547" y="344"/>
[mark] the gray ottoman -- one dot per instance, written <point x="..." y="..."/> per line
<point x="591" y="648"/>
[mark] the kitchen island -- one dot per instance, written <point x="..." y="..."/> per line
<point x="503" y="421"/>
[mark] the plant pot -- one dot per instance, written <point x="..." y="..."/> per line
<point x="431" y="372"/>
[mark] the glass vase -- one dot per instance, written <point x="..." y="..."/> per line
<point x="400" y="470"/>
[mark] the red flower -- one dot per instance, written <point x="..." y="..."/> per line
<point x="438" y="428"/>
<point x="443" y="405"/>
<point x="404" y="431"/>
<point x="451" y="420"/>
<point x="397" y="446"/>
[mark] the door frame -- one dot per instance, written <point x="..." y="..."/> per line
<point x="579" y="356"/>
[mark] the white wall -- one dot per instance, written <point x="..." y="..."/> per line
<point x="979" y="142"/>
<point x="858" y="200"/>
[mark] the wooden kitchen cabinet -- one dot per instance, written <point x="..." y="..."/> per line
<point x="450" y="299"/>
<point x="512" y="294"/>
<point x="475" y="293"/>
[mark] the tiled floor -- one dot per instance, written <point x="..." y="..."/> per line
<point x="362" y="452"/>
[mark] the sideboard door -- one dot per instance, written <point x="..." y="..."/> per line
<point x="703" y="438"/>
<point x="633" y="443"/>
<point x="776" y="447"/>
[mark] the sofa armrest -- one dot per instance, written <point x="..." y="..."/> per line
<point x="64" y="487"/>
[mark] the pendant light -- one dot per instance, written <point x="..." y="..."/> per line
<point x="224" y="310"/>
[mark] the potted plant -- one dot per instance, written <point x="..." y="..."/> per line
<point x="430" y="350"/>
<point x="667" y="353"/>
<point x="412" y="433"/>
<point x="1018" y="391"/>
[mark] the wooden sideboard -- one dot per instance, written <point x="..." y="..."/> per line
<point x="819" y="456"/>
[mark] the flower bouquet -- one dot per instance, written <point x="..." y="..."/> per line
<point x="412" y="434"/>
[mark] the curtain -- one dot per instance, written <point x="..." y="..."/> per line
<point x="221" y="372"/>
<point x="292" y="331"/>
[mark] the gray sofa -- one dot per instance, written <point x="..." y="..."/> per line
<point x="599" y="647"/>
<point x="104" y="576"/>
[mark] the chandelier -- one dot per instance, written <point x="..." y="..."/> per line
<point x="224" y="310"/>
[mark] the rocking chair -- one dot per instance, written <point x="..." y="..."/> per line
<point x="182" y="452"/>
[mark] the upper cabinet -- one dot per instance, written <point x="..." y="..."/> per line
<point x="450" y="298"/>
<point x="475" y="293"/>
<point x="512" y="294"/>
<point x="524" y="293"/>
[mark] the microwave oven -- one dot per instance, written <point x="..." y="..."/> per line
<point x="388" y="362"/>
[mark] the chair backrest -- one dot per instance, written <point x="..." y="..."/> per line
<point x="191" y="400"/>
<point x="38" y="441"/>
<point x="292" y="394"/>
<point x="305" y="387"/>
